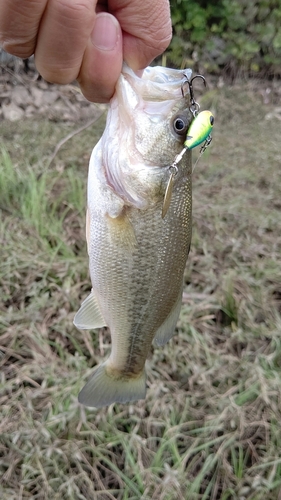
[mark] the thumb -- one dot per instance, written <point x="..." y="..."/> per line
<point x="102" y="60"/>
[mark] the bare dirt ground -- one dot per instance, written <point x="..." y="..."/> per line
<point x="23" y="94"/>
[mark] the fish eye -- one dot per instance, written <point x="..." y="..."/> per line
<point x="180" y="125"/>
<point x="212" y="120"/>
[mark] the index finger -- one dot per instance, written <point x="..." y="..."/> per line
<point x="19" y="23"/>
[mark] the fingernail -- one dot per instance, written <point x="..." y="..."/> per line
<point x="106" y="32"/>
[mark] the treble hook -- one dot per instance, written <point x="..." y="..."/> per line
<point x="191" y="87"/>
<point x="194" y="106"/>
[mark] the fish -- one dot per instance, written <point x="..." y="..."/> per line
<point x="137" y="258"/>
<point x="200" y="129"/>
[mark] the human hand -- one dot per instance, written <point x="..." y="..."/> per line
<point x="85" y="40"/>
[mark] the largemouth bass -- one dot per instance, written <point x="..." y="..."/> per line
<point x="136" y="257"/>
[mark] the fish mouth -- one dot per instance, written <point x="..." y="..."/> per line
<point x="158" y="83"/>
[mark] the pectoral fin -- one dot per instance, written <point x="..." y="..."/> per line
<point x="89" y="315"/>
<point x="167" y="329"/>
<point x="122" y="232"/>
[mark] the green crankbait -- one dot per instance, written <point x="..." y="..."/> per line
<point x="199" y="130"/>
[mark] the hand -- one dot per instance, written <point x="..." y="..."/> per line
<point x="86" y="40"/>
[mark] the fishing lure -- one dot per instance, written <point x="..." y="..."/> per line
<point x="198" y="132"/>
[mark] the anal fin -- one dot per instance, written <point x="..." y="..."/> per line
<point x="89" y="315"/>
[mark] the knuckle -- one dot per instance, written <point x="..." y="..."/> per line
<point x="165" y="40"/>
<point x="17" y="48"/>
<point x="59" y="76"/>
<point x="75" y="9"/>
<point x="161" y="35"/>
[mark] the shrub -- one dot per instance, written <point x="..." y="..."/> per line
<point x="227" y="34"/>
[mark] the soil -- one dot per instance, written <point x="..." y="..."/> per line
<point x="24" y="94"/>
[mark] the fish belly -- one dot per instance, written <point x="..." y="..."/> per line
<point x="137" y="262"/>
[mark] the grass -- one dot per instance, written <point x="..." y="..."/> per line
<point x="210" y="426"/>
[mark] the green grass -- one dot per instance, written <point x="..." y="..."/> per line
<point x="209" y="428"/>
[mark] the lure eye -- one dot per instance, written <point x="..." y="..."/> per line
<point x="180" y="125"/>
<point x="212" y="120"/>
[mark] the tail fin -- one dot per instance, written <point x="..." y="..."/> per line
<point x="102" y="389"/>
